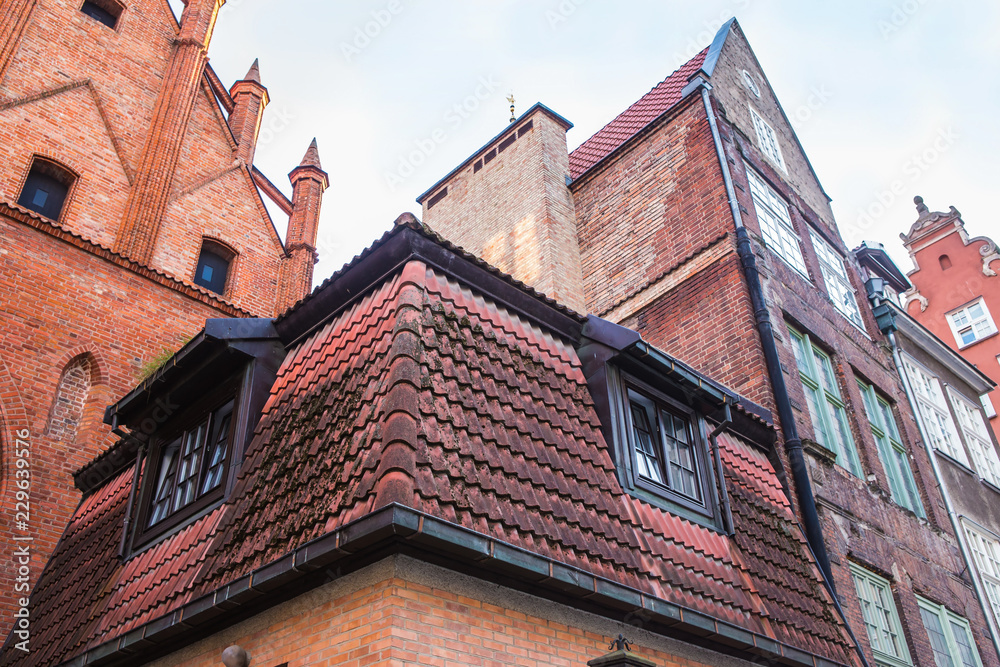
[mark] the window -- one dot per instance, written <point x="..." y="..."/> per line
<point x="881" y="618"/>
<point x="987" y="402"/>
<point x="950" y="635"/>
<point x="971" y="323"/>
<point x="945" y="262"/>
<point x="934" y="412"/>
<point x="666" y="450"/>
<point x="775" y="223"/>
<point x="838" y="285"/>
<point x="103" y="11"/>
<point x="986" y="554"/>
<point x="977" y="437"/>
<point x="891" y="450"/>
<point x="826" y="407"/>
<point x="46" y="188"/>
<point x="767" y="139"/>
<point x="213" y="266"/>
<point x="190" y="464"/>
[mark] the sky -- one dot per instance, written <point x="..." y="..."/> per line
<point x="890" y="99"/>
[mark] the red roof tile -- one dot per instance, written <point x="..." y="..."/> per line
<point x="633" y="120"/>
<point x="424" y="393"/>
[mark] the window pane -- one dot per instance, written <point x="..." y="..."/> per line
<point x="963" y="639"/>
<point x="939" y="643"/>
<point x="775" y="222"/>
<point x="187" y="470"/>
<point x="215" y="457"/>
<point x="165" y="482"/>
<point x="683" y="469"/>
<point x="646" y="456"/>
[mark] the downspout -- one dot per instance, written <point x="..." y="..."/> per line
<point x="956" y="524"/>
<point x="793" y="443"/>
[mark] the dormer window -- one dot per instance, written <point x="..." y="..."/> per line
<point x="663" y="447"/>
<point x="191" y="464"/>
<point x="46" y="188"/>
<point x="212" y="271"/>
<point x="103" y="11"/>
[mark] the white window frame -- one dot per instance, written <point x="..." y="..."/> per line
<point x="979" y="333"/>
<point x="949" y="623"/>
<point x="767" y="139"/>
<point x="977" y="437"/>
<point x="881" y="618"/>
<point x="934" y="411"/>
<point x="838" y="284"/>
<point x="892" y="452"/>
<point x="988" y="406"/>
<point x="827" y="409"/>
<point x="775" y="222"/>
<point x="985" y="550"/>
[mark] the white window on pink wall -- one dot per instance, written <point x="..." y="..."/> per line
<point x="971" y="323"/>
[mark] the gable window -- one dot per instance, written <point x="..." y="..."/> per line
<point x="934" y="411"/>
<point x="826" y="407"/>
<point x="212" y="271"/>
<point x="775" y="222"/>
<point x="977" y="437"/>
<point x="950" y="635"/>
<point x="838" y="285"/>
<point x="891" y="450"/>
<point x="46" y="188"/>
<point x="971" y="323"/>
<point x="986" y="555"/>
<point x="881" y="618"/>
<point x="103" y="11"/>
<point x="767" y="139"/>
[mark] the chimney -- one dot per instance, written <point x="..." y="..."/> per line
<point x="309" y="181"/>
<point x="250" y="97"/>
<point x="147" y="199"/>
<point x="510" y="204"/>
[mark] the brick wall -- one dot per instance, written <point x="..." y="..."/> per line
<point x="77" y="331"/>
<point x="401" y="611"/>
<point x="514" y="209"/>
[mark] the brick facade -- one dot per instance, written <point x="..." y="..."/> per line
<point x="140" y="121"/>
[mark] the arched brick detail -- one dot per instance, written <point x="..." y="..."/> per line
<point x="72" y="392"/>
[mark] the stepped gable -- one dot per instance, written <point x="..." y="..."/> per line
<point x="423" y="392"/>
<point x="633" y="120"/>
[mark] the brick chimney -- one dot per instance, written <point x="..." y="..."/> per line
<point x="250" y="98"/>
<point x="509" y="204"/>
<point x="148" y="197"/>
<point x="309" y="181"/>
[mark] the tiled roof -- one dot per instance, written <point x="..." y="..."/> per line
<point x="633" y="120"/>
<point x="423" y="393"/>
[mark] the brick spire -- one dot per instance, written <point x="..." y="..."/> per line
<point x="309" y="181"/>
<point x="250" y="97"/>
<point x="147" y="199"/>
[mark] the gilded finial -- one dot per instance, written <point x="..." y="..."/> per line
<point x="510" y="98"/>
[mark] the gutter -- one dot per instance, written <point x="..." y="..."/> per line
<point x="890" y="331"/>
<point x="793" y="443"/>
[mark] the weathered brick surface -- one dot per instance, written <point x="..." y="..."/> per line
<point x="399" y="620"/>
<point x="77" y="330"/>
<point x="516" y="211"/>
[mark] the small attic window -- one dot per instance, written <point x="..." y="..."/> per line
<point x="46" y="188"/>
<point x="103" y="11"/>
<point x="212" y="271"/>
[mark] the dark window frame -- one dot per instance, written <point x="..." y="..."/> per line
<point x="708" y="510"/>
<point x="221" y="251"/>
<point x="42" y="167"/>
<point x="228" y="394"/>
<point x="99" y="8"/>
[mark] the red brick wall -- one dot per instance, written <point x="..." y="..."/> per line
<point x="72" y="320"/>
<point x="399" y="620"/>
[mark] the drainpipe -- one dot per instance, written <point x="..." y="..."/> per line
<point x="793" y="443"/>
<point x="963" y="546"/>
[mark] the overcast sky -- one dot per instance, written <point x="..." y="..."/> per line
<point x="890" y="98"/>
